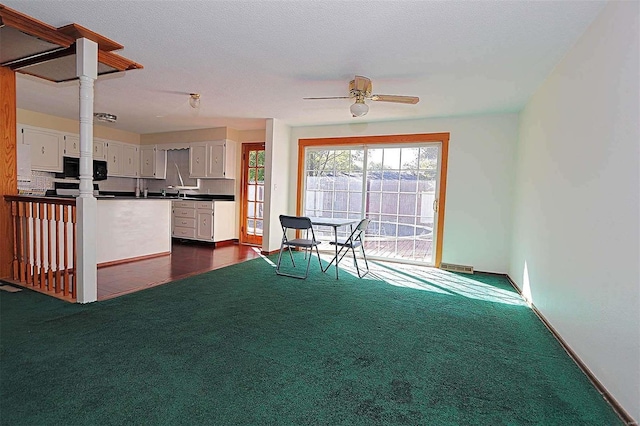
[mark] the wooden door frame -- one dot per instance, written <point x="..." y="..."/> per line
<point x="246" y="147"/>
<point x="367" y="141"/>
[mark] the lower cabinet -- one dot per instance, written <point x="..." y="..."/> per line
<point x="203" y="220"/>
<point x="204" y="223"/>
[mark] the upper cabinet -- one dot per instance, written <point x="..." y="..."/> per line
<point x="153" y="162"/>
<point x="198" y="160"/>
<point x="215" y="159"/>
<point x="47" y="148"/>
<point x="131" y="161"/>
<point x="114" y="158"/>
<point x="99" y="149"/>
<point x="71" y="146"/>
<point x="122" y="159"/>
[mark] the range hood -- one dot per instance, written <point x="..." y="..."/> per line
<point x="32" y="47"/>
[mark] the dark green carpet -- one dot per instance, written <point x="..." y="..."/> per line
<point x="241" y="346"/>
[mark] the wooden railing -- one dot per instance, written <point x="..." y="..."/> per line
<point x="44" y="244"/>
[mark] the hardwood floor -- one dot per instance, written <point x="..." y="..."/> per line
<point x="186" y="259"/>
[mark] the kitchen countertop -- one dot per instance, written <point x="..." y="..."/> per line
<point x="114" y="195"/>
<point x="158" y="196"/>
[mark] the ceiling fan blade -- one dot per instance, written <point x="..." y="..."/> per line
<point x="362" y="84"/>
<point x="330" y="97"/>
<point x="396" y="98"/>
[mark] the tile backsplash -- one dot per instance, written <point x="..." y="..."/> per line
<point x="38" y="182"/>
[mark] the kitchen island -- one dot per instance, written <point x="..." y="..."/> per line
<point x="130" y="228"/>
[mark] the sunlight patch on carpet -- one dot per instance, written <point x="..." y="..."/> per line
<point x="9" y="288"/>
<point x="439" y="281"/>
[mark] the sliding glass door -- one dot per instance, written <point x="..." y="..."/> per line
<point x="394" y="186"/>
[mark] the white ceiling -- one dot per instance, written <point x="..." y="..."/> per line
<point x="253" y="60"/>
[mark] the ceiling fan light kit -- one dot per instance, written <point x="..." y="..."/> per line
<point x="359" y="108"/>
<point x="360" y="88"/>
<point x="194" y="100"/>
<point x="105" y="117"/>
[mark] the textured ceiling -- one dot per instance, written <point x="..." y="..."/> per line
<point x="253" y="60"/>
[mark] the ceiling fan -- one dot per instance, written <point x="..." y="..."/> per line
<point x="193" y="100"/>
<point x="360" y="89"/>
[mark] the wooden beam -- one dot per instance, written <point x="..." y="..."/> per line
<point x="33" y="27"/>
<point x="8" y="165"/>
<point x="76" y="31"/>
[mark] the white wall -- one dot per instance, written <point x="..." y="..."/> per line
<point x="479" y="199"/>
<point x="576" y="217"/>
<point x="276" y="182"/>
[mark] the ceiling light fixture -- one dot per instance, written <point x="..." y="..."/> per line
<point x="194" y="100"/>
<point x="106" y="117"/>
<point x="359" y="108"/>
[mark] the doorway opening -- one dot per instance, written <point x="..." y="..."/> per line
<point x="252" y="203"/>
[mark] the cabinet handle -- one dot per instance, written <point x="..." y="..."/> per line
<point x="43" y="149"/>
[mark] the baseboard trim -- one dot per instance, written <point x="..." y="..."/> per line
<point x="226" y="243"/>
<point x="267" y="253"/>
<point x="132" y="259"/>
<point x="621" y="412"/>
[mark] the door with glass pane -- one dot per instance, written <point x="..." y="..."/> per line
<point x="252" y="193"/>
<point x="395" y="187"/>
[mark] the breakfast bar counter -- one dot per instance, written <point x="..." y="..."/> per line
<point x="129" y="228"/>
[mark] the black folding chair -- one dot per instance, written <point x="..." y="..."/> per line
<point x="302" y="224"/>
<point x="351" y="243"/>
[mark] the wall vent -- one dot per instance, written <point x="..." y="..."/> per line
<point x="457" y="268"/>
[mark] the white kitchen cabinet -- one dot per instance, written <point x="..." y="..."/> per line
<point x="153" y="162"/>
<point x="211" y="221"/>
<point x="198" y="160"/>
<point x="130" y="161"/>
<point x="72" y="146"/>
<point x="114" y="158"/>
<point x="99" y="149"/>
<point x="183" y="219"/>
<point x="193" y="220"/>
<point x="213" y="160"/>
<point x="47" y="148"/>
<point x="122" y="159"/>
<point x="204" y="222"/>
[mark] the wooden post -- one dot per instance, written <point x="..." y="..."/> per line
<point x="85" y="271"/>
<point x="8" y="166"/>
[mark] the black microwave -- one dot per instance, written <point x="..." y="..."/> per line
<point x="71" y="168"/>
